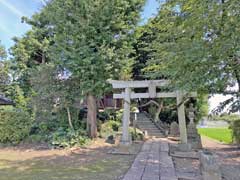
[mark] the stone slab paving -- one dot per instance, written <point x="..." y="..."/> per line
<point x="152" y="163"/>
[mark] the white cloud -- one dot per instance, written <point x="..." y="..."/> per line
<point x="13" y="9"/>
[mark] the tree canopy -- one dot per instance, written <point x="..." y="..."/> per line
<point x="83" y="43"/>
<point x="197" y="47"/>
<point x="4" y="69"/>
<point x="74" y="47"/>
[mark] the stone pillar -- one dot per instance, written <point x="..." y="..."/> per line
<point x="210" y="168"/>
<point x="126" y="117"/>
<point x="174" y="129"/>
<point x="181" y="118"/>
<point x="193" y="137"/>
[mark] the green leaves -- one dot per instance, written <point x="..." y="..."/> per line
<point x="15" y="125"/>
<point x="198" y="42"/>
<point x="4" y="70"/>
<point x="3" y="53"/>
<point x="195" y="44"/>
<point x="92" y="38"/>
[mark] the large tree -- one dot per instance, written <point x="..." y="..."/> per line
<point x="30" y="51"/>
<point x="198" y="46"/>
<point x="92" y="42"/>
<point x="2" y="52"/>
<point x="4" y="70"/>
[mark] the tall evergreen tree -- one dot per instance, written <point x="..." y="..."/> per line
<point x="4" y="69"/>
<point x="92" y="42"/>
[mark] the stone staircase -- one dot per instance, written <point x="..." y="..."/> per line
<point x="146" y="124"/>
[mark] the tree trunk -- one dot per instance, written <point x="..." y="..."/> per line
<point x="43" y="58"/>
<point x="159" y="109"/>
<point x="92" y="116"/>
<point x="69" y="118"/>
<point x="238" y="81"/>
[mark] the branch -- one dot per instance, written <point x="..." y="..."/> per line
<point x="150" y="102"/>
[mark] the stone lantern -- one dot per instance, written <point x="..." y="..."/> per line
<point x="193" y="137"/>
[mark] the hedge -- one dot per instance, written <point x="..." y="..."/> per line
<point x="15" y="125"/>
<point x="236" y="131"/>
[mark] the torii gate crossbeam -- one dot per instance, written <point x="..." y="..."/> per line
<point x="127" y="95"/>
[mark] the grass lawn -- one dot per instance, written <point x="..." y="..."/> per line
<point x="85" y="164"/>
<point x="220" y="134"/>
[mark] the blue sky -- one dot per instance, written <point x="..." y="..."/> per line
<point x="11" y="12"/>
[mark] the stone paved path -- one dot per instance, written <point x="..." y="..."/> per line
<point x="152" y="163"/>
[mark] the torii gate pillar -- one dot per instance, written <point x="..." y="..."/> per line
<point x="151" y="85"/>
<point x="126" y="116"/>
<point x="181" y="117"/>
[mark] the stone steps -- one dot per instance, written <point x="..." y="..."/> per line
<point x="149" y="129"/>
<point x="155" y="132"/>
<point x="156" y="135"/>
<point x="146" y="125"/>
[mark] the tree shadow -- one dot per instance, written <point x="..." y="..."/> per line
<point x="80" y="163"/>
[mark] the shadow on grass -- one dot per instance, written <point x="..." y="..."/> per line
<point x="86" y="164"/>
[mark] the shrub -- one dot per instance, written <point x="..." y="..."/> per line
<point x="43" y="128"/>
<point x="15" y="125"/>
<point x="225" y="117"/>
<point x="236" y="131"/>
<point x="37" y="138"/>
<point x="111" y="114"/>
<point x="68" y="138"/>
<point x="115" y="125"/>
<point x="103" y="116"/>
<point x="109" y="128"/>
<point x="119" y="115"/>
<point x="136" y="134"/>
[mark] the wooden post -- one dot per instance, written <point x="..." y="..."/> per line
<point x="181" y="117"/>
<point x="126" y="116"/>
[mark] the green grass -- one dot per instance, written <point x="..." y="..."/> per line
<point x="35" y="165"/>
<point x="220" y="134"/>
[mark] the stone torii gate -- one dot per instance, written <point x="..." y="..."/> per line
<point x="128" y="94"/>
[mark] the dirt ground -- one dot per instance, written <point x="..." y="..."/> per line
<point x="229" y="157"/>
<point x="94" y="162"/>
<point x="188" y="166"/>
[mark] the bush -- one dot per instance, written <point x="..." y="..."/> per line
<point x="15" y="125"/>
<point x="103" y="116"/>
<point x="136" y="134"/>
<point x="119" y="115"/>
<point x="68" y="138"/>
<point x="44" y="127"/>
<point x="109" y="128"/>
<point x="115" y="125"/>
<point x="37" y="138"/>
<point x="225" y="117"/>
<point x="236" y="131"/>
